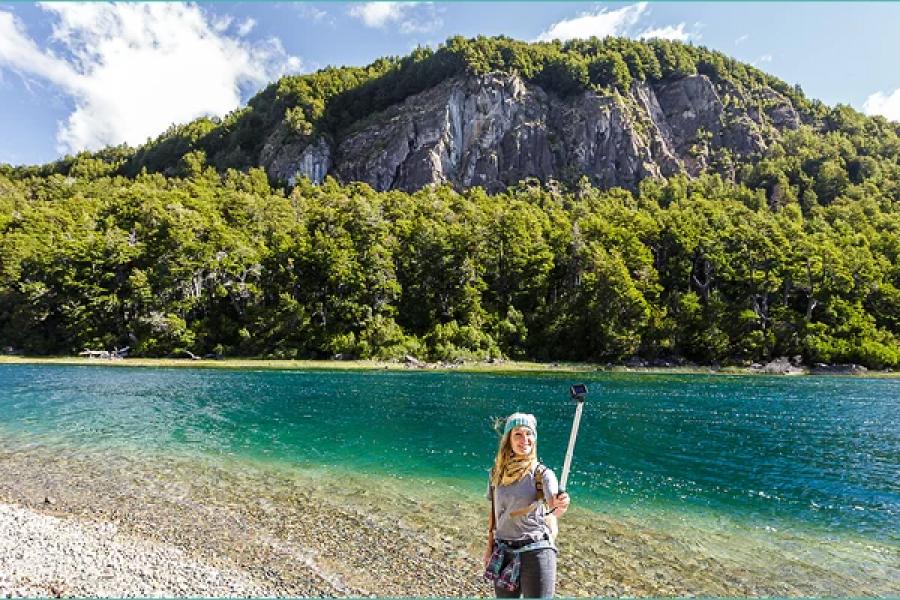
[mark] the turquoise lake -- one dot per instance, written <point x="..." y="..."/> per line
<point x="818" y="454"/>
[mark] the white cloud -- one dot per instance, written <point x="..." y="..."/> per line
<point x="379" y="14"/>
<point x="669" y="32"/>
<point x="697" y="34"/>
<point x="246" y="27"/>
<point x="882" y="104"/>
<point x="425" y="24"/>
<point x="741" y="39"/>
<point x="620" y="22"/>
<point x="308" y="11"/>
<point x="410" y="17"/>
<point x="600" y="24"/>
<point x="222" y="23"/>
<point x="765" y="58"/>
<point x="17" y="51"/>
<point x="132" y="70"/>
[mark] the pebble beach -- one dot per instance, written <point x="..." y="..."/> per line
<point x="42" y="555"/>
<point x="160" y="526"/>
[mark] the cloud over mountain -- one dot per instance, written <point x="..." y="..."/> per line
<point x="131" y="70"/>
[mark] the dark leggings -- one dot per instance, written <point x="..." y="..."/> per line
<point x="538" y="575"/>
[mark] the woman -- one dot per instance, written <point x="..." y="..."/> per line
<point x="521" y="555"/>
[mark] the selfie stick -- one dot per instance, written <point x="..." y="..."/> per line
<point x="578" y="391"/>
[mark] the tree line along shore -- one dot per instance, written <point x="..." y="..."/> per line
<point x="701" y="270"/>
<point x="183" y="246"/>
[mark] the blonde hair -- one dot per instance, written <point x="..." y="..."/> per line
<point x="509" y="467"/>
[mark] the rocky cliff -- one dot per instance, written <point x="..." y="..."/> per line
<point x="494" y="130"/>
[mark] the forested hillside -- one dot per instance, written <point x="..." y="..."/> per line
<point x="326" y="104"/>
<point x="186" y="244"/>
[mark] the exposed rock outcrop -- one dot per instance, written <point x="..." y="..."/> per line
<point x="779" y="366"/>
<point x="290" y="159"/>
<point x="494" y="130"/>
<point x="848" y="369"/>
<point x="487" y="131"/>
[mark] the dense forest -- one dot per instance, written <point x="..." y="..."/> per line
<point x="182" y="244"/>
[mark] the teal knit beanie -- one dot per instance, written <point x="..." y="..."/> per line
<point x="520" y="420"/>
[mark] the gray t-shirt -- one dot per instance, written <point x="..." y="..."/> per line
<point x="516" y="497"/>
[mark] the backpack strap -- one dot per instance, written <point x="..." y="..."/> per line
<point x="492" y="524"/>
<point x="549" y="518"/>
<point x="539" y="481"/>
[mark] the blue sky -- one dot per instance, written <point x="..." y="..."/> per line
<point x="81" y="76"/>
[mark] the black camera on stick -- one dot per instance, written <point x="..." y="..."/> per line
<point x="578" y="392"/>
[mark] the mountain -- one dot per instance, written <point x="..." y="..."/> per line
<point x="495" y="130"/>
<point x="599" y="200"/>
<point x="493" y="111"/>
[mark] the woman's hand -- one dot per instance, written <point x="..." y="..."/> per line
<point x="560" y="503"/>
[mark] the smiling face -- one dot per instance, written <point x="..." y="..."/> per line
<point x="521" y="440"/>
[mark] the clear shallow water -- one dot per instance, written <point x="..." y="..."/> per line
<point x="817" y="454"/>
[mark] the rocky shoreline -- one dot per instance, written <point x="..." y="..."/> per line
<point x="116" y="525"/>
<point x="778" y="366"/>
<point x="42" y="555"/>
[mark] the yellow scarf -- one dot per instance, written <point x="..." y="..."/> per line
<point x="516" y="468"/>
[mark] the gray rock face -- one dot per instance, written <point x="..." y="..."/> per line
<point x="487" y="131"/>
<point x="315" y="160"/>
<point x="691" y="107"/>
<point x="780" y="111"/>
<point x="779" y="366"/>
<point x="289" y="159"/>
<point x="494" y="130"/>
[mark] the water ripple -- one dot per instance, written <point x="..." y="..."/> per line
<point x="820" y="452"/>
